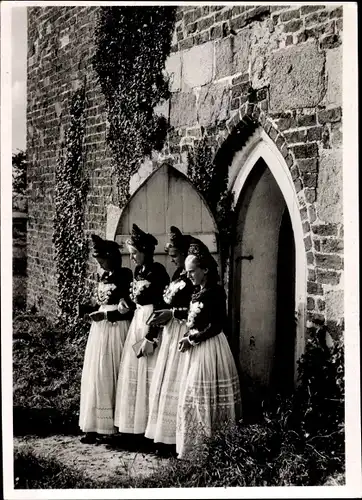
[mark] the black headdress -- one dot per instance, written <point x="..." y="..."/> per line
<point x="181" y="241"/>
<point x="178" y="240"/>
<point x="144" y="242"/>
<point x="105" y="248"/>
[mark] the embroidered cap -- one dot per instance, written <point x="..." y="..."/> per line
<point x="199" y="250"/>
<point x="144" y="242"/>
<point x="105" y="248"/>
<point x="181" y="241"/>
<point x="177" y="240"/>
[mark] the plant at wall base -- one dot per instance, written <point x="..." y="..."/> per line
<point x="132" y="45"/>
<point x="71" y="187"/>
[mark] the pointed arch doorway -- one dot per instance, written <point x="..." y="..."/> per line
<point x="267" y="289"/>
<point x="167" y="198"/>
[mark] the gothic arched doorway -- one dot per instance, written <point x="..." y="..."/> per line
<point x="268" y="269"/>
<point x="263" y="282"/>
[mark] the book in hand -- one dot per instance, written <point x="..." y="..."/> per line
<point x="153" y="316"/>
<point x="137" y="345"/>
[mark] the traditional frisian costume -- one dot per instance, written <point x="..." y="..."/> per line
<point x="105" y="342"/>
<point x="210" y="391"/>
<point x="166" y="381"/>
<point x="150" y="280"/>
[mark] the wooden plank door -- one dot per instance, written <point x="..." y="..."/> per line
<point x="168" y="198"/>
<point x="255" y="280"/>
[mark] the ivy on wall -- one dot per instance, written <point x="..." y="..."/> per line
<point x="132" y="44"/>
<point x="210" y="177"/>
<point x="209" y="173"/>
<point x="71" y="187"/>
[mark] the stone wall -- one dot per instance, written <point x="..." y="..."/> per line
<point x="278" y="66"/>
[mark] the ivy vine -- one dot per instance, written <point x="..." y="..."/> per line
<point x="210" y="177"/>
<point x="209" y="173"/>
<point x="71" y="187"/>
<point x="132" y="44"/>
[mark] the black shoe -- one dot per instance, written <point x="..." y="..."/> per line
<point x="89" y="438"/>
<point x="165" y="450"/>
<point x="106" y="439"/>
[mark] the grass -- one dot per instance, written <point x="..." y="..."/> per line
<point x="296" y="441"/>
<point x="47" y="365"/>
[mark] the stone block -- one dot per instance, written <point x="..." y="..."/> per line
<point x="332" y="245"/>
<point x="293" y="26"/>
<point x="198" y="65"/>
<point x="325" y="229"/>
<point x="241" y="52"/>
<point x="334" y="305"/>
<point x="331" y="42"/>
<point x="314" y="288"/>
<point x="325" y="277"/>
<point x="330" y="115"/>
<point x="329" y="261"/>
<point x="308" y="165"/>
<point x="224" y="57"/>
<point x="173" y="70"/>
<point x="183" y="109"/>
<point x="309" y="150"/>
<point x="310" y="303"/>
<point x="330" y="186"/>
<point x="334" y="69"/>
<point x="311" y="275"/>
<point x="296" y="77"/>
<point x="217" y="31"/>
<point x="336" y="135"/>
<point x="213" y="105"/>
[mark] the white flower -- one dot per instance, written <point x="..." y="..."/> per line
<point x="137" y="287"/>
<point x="172" y="289"/>
<point x="195" y="308"/>
<point x="104" y="291"/>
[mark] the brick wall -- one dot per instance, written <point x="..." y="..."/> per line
<point x="61" y="44"/>
<point x="280" y="66"/>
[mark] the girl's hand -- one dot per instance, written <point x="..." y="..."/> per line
<point x="97" y="316"/>
<point x="145" y="349"/>
<point x="184" y="344"/>
<point x="163" y="316"/>
<point x="122" y="307"/>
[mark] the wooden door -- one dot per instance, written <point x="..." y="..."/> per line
<point x="255" y="276"/>
<point x="167" y="198"/>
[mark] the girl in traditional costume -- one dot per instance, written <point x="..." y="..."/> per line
<point x="110" y="324"/>
<point x="141" y="347"/>
<point x="210" y="391"/>
<point x="166" y="381"/>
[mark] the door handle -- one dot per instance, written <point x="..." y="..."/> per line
<point x="244" y="257"/>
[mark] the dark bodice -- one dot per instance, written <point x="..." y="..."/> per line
<point x="178" y="294"/>
<point x="155" y="277"/>
<point x="113" y="286"/>
<point x="207" y="313"/>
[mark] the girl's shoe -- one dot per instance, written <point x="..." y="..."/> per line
<point x="89" y="438"/>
